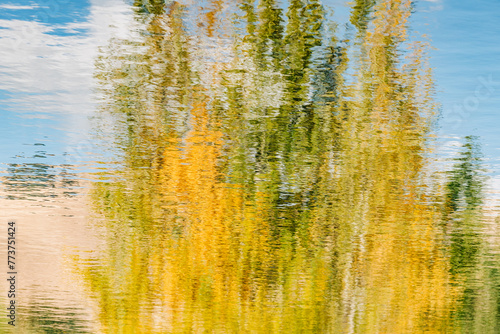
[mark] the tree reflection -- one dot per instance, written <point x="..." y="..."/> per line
<point x="274" y="180"/>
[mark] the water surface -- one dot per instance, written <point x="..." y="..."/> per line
<point x="249" y="167"/>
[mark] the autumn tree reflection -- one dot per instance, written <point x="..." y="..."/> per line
<point x="274" y="180"/>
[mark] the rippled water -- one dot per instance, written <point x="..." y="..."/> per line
<point x="250" y="167"/>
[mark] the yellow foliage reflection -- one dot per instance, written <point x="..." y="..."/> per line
<point x="274" y="180"/>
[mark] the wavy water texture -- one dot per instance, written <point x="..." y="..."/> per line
<point x="274" y="177"/>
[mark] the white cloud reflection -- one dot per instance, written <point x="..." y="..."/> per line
<point x="45" y="71"/>
<point x="18" y="7"/>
